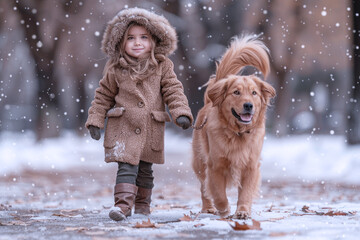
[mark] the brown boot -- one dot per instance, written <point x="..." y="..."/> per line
<point x="124" y="196"/>
<point x="142" y="201"/>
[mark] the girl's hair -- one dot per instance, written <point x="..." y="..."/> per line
<point x="138" y="68"/>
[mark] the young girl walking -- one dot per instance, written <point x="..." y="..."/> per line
<point x="138" y="81"/>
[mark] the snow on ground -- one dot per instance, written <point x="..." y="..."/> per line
<point x="75" y="202"/>
<point x="304" y="157"/>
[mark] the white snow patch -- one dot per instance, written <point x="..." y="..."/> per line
<point x="305" y="157"/>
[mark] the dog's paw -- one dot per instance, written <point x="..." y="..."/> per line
<point x="241" y="215"/>
<point x="210" y="210"/>
<point x="223" y="213"/>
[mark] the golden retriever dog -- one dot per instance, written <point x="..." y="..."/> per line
<point x="230" y="129"/>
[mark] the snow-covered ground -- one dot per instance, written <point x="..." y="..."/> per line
<point x="40" y="204"/>
<point x="304" y="157"/>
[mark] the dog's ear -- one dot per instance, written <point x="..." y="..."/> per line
<point x="217" y="92"/>
<point x="267" y="91"/>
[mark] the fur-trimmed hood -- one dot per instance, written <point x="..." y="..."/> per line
<point x="157" y="25"/>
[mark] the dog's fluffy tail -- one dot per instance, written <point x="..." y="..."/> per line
<point x="247" y="50"/>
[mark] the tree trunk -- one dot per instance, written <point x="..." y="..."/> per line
<point x="353" y="130"/>
<point x="47" y="122"/>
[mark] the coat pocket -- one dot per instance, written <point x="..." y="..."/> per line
<point x="157" y="129"/>
<point x="112" y="131"/>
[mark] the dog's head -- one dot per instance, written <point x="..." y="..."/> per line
<point x="242" y="100"/>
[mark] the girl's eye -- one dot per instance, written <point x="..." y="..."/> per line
<point x="237" y="92"/>
<point x="254" y="93"/>
<point x="130" y="38"/>
<point x="144" y="37"/>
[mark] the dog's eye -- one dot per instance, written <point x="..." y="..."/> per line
<point x="237" y="92"/>
<point x="254" y="93"/>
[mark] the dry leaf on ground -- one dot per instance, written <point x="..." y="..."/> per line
<point x="306" y="209"/>
<point x="334" y="213"/>
<point x="188" y="218"/>
<point x="244" y="226"/>
<point x="70" y="213"/>
<point x="199" y="225"/>
<point x="144" y="224"/>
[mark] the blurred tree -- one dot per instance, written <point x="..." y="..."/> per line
<point x="353" y="131"/>
<point x="44" y="45"/>
<point x="282" y="55"/>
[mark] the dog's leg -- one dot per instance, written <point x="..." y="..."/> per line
<point x="249" y="186"/>
<point x="207" y="204"/>
<point x="217" y="186"/>
<point x="199" y="168"/>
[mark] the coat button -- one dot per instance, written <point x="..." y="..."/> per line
<point x="138" y="131"/>
<point x="140" y="104"/>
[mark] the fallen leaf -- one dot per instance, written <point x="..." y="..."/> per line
<point x="144" y="224"/>
<point x="188" y="218"/>
<point x="306" y="209"/>
<point x="72" y="211"/>
<point x="199" y="225"/>
<point x="334" y="213"/>
<point x="326" y="208"/>
<point x="244" y="226"/>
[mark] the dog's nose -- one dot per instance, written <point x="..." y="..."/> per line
<point x="248" y="106"/>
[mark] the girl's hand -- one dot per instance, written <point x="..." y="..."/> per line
<point x="183" y="121"/>
<point x="94" y="132"/>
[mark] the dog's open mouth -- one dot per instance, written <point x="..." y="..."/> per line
<point x="244" y="117"/>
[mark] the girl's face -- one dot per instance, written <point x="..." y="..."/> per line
<point x="138" y="42"/>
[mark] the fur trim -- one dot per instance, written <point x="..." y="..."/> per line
<point x="157" y="25"/>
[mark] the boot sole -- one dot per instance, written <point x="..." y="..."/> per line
<point x="116" y="215"/>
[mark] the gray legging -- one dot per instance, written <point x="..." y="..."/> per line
<point x="140" y="175"/>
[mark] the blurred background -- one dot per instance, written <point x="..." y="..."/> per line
<point x="51" y="63"/>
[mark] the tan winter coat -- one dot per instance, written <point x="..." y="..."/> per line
<point x="135" y="109"/>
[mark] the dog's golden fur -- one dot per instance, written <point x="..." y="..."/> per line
<point x="230" y="128"/>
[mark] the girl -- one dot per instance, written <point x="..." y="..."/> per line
<point x="138" y="81"/>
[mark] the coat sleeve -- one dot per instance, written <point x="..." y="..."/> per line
<point x="104" y="100"/>
<point x="173" y="93"/>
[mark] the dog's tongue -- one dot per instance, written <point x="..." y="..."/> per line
<point x="246" y="117"/>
